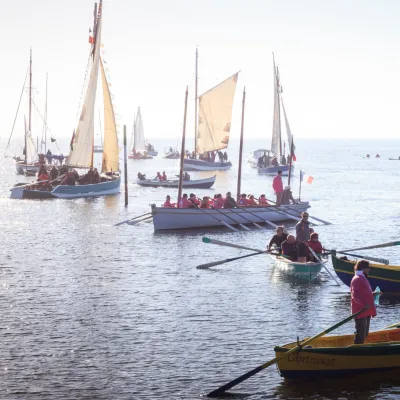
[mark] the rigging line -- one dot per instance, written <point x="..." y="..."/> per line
<point x="15" y="119"/>
<point x="84" y="85"/>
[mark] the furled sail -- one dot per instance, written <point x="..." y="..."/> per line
<point x="138" y="140"/>
<point x="215" y="116"/>
<point x="276" y="143"/>
<point x="288" y="131"/>
<point x="31" y="152"/>
<point x="110" y="147"/>
<point x="82" y="147"/>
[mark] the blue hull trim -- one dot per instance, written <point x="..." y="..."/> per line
<point x="385" y="286"/>
<point x="94" y="190"/>
<point x="274" y="170"/>
<point x="200" y="165"/>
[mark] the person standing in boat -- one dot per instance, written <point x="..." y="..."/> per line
<point x="278" y="238"/>
<point x="287" y="196"/>
<point x="229" y="201"/>
<point x="283" y="159"/>
<point x="302" y="236"/>
<point x="361" y="297"/>
<point x="277" y="185"/>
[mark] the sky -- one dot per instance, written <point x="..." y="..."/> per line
<point x="339" y="62"/>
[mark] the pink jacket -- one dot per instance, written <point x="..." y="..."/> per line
<point x="277" y="184"/>
<point x="361" y="296"/>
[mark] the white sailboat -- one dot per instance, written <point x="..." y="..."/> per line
<point x="139" y="148"/>
<point x="212" y="126"/>
<point x="82" y="143"/>
<point x="269" y="162"/>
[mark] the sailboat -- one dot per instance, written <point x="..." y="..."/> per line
<point x="82" y="143"/>
<point x="139" y="148"/>
<point x="269" y="162"/>
<point x="28" y="163"/>
<point x="212" y="126"/>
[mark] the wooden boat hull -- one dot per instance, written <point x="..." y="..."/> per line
<point x="172" y="156"/>
<point x="336" y="356"/>
<point x="272" y="171"/>
<point x="387" y="277"/>
<point x="190" y="218"/>
<point x="69" y="191"/>
<point x="20" y="168"/>
<point x="305" y="271"/>
<point x="201" y="165"/>
<point x="195" y="183"/>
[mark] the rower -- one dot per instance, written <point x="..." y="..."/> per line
<point x="278" y="238"/>
<point x="315" y="245"/>
<point x="168" y="203"/>
<point x="290" y="249"/>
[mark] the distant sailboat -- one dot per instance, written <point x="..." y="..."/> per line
<point x="82" y="143"/>
<point x="212" y="125"/>
<point x="139" y="148"/>
<point x="274" y="160"/>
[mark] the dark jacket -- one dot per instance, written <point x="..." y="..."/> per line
<point x="230" y="202"/>
<point x="277" y="240"/>
<point x="303" y="231"/>
<point x="291" y="250"/>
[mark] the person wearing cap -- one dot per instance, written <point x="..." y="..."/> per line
<point x="279" y="237"/>
<point x="287" y="196"/>
<point x="277" y="185"/>
<point x="229" y="201"/>
<point x="302" y="236"/>
<point x="361" y="297"/>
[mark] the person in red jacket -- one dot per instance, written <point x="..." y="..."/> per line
<point x="168" y="203"/>
<point x="314" y="244"/>
<point x="277" y="185"/>
<point x="361" y="297"/>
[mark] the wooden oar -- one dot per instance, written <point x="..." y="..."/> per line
<point x="254" y="223"/>
<point x="396" y="325"/>
<point x="376" y="259"/>
<point x="138" y="222"/>
<point x="131" y="219"/>
<point x="377" y="246"/>
<point x="226" y="244"/>
<point x="219" y="220"/>
<point x="227" y="216"/>
<point x="221" y="390"/>
<point x="310" y="216"/>
<point x="213" y="264"/>
<point x="262" y="219"/>
<point x="320" y="261"/>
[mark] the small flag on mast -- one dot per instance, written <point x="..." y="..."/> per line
<point x="91" y="38"/>
<point x="306" y="178"/>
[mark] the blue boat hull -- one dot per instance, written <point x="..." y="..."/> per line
<point x="200" y="165"/>
<point x="271" y="170"/>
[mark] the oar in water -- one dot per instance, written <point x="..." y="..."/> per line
<point x="131" y="219"/>
<point x="215" y="263"/>
<point x="310" y="216"/>
<point x="320" y="261"/>
<point x="254" y="223"/>
<point x="221" y="390"/>
<point x="139" y="221"/>
<point x="226" y="244"/>
<point x="219" y="220"/>
<point x="376" y="246"/>
<point x="262" y="219"/>
<point x="226" y="214"/>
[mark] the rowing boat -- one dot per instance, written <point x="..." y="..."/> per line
<point x="308" y="271"/>
<point x="174" y="183"/>
<point x="190" y="218"/>
<point x="387" y="277"/>
<point x="336" y="356"/>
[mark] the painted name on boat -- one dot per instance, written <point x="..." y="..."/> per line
<point x="328" y="361"/>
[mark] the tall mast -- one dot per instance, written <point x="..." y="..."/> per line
<point x="195" y="105"/>
<point x="30" y="102"/>
<point x="241" y="148"/>
<point x="45" y="120"/>
<point x="182" y="149"/>
<point x="279" y="111"/>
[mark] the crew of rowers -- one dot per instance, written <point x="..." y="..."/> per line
<point x="192" y="201"/>
<point x="209" y="156"/>
<point x="47" y="180"/>
<point x="297" y="248"/>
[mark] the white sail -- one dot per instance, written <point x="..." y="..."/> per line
<point x="31" y="152"/>
<point x="276" y="144"/>
<point x="288" y="131"/>
<point x="82" y="149"/>
<point x="138" y="141"/>
<point x="110" y="146"/>
<point x="215" y="116"/>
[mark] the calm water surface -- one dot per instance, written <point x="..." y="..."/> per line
<point x="94" y="311"/>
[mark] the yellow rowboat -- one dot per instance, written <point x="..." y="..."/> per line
<point x="337" y="356"/>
